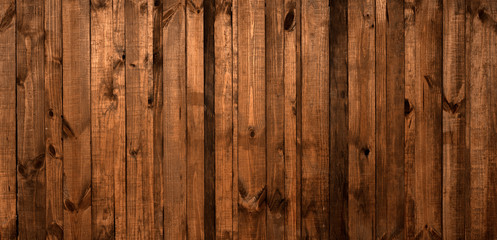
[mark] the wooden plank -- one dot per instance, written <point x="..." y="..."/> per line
<point x="251" y="121"/>
<point x="139" y="120"/>
<point x="362" y="150"/>
<point x="223" y="109"/>
<point x="315" y="17"/>
<point x="108" y="119"/>
<point x="338" y="120"/>
<point x="275" y="120"/>
<point x="158" y="121"/>
<point x="291" y="27"/>
<point x="455" y="157"/>
<point x="8" y="183"/>
<point x="175" y="217"/>
<point x="425" y="169"/>
<point x="209" y="61"/>
<point x="195" y="119"/>
<point x="409" y="113"/>
<point x="235" y="195"/>
<point x="76" y="108"/>
<point x="482" y="122"/>
<point x="53" y="119"/>
<point x="31" y="147"/>
<point x="389" y="74"/>
<point x="488" y="16"/>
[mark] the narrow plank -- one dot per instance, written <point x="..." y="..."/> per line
<point x="77" y="113"/>
<point x="53" y="119"/>
<point x="482" y="110"/>
<point x="209" y="61"/>
<point x="235" y="195"/>
<point x="108" y="130"/>
<point x="409" y="114"/>
<point x="455" y="156"/>
<point x="426" y="169"/>
<point x="338" y="120"/>
<point x="158" y="121"/>
<point x="175" y="172"/>
<point x="31" y="147"/>
<point x="389" y="75"/>
<point x="251" y="121"/>
<point x="315" y="17"/>
<point x="488" y="16"/>
<point x="291" y="27"/>
<point x="275" y="120"/>
<point x="362" y="148"/>
<point x="195" y="119"/>
<point x="223" y="109"/>
<point x="8" y="183"/>
<point x="139" y="120"/>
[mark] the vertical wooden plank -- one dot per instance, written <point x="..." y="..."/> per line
<point x="8" y="183"/>
<point x="76" y="121"/>
<point x="251" y="121"/>
<point x="315" y="120"/>
<point x="139" y="114"/>
<point x="31" y="147"/>
<point x="209" y="63"/>
<point x="455" y="161"/>
<point x="53" y="119"/>
<point x="175" y="174"/>
<point x="291" y="27"/>
<point x="361" y="52"/>
<point x="275" y="119"/>
<point x="425" y="220"/>
<point x="195" y="119"/>
<point x="482" y="122"/>
<point x="338" y="120"/>
<point x="488" y="15"/>
<point x="389" y="74"/>
<point x="158" y="121"/>
<point x="223" y="104"/>
<point x="108" y="119"/>
<point x="409" y="113"/>
<point x="235" y="195"/>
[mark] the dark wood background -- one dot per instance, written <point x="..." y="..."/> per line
<point x="248" y="119"/>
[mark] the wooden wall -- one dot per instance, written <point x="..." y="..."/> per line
<point x="248" y="119"/>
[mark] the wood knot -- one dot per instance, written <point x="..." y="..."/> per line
<point x="289" y="23"/>
<point x="51" y="150"/>
<point x="50" y="112"/>
<point x="365" y="151"/>
<point x="251" y="132"/>
<point x="407" y="107"/>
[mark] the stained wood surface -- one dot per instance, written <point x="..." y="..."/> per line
<point x="231" y="119"/>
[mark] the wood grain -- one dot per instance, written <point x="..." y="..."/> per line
<point x="139" y="120"/>
<point x="223" y="110"/>
<point x="195" y="119"/>
<point x="389" y="95"/>
<point x="8" y="182"/>
<point x="53" y="120"/>
<point x="275" y="120"/>
<point x="455" y="155"/>
<point x="362" y="145"/>
<point x="426" y="168"/>
<point x="31" y="144"/>
<point x="108" y="128"/>
<point x="175" y="114"/>
<point x="252" y="186"/>
<point x="77" y="122"/>
<point x="291" y="70"/>
<point x="339" y="121"/>
<point x="315" y="119"/>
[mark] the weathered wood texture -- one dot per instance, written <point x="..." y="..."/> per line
<point x="248" y="119"/>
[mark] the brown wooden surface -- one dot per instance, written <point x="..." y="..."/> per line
<point x="253" y="119"/>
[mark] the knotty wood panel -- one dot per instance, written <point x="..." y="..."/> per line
<point x="257" y="119"/>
